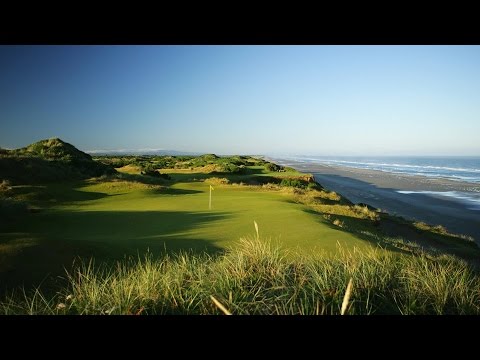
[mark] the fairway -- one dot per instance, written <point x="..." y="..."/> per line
<point x="111" y="220"/>
<point x="179" y="217"/>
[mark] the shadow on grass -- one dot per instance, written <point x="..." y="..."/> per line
<point x="143" y="179"/>
<point x="446" y="243"/>
<point x="389" y="226"/>
<point x="36" y="170"/>
<point x="363" y="229"/>
<point x="56" y="193"/>
<point x="53" y="194"/>
<point x="248" y="176"/>
<point x="50" y="242"/>
<point x="171" y="191"/>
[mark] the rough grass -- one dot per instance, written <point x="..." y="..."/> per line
<point x="257" y="277"/>
<point x="217" y="181"/>
<point x="440" y="229"/>
<point x="330" y="203"/>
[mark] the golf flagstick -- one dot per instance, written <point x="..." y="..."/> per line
<point x="210" y="201"/>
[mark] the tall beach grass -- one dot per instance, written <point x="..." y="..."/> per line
<point x="257" y="277"/>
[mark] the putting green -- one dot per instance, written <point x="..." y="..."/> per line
<point x="182" y="212"/>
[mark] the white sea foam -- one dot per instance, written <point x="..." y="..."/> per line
<point x="401" y="166"/>
<point x="471" y="200"/>
<point x="467" y="169"/>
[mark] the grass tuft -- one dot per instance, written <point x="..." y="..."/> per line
<point x="258" y="277"/>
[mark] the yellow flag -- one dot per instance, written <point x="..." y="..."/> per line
<point x="211" y="187"/>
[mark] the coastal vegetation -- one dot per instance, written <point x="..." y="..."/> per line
<point x="255" y="276"/>
<point x="135" y="235"/>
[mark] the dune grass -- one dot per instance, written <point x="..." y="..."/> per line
<point x="258" y="277"/>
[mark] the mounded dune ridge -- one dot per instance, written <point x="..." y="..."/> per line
<point x="49" y="160"/>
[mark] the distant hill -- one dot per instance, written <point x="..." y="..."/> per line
<point x="141" y="152"/>
<point x="48" y="160"/>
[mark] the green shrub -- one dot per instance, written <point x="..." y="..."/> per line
<point x="209" y="157"/>
<point x="164" y="164"/>
<point x="231" y="168"/>
<point x="314" y="186"/>
<point x="272" y="167"/>
<point x="156" y="174"/>
<point x="296" y="183"/>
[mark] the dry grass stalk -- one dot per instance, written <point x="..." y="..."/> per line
<point x="220" y="306"/>
<point x="346" y="298"/>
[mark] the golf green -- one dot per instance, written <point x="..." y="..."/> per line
<point x="111" y="220"/>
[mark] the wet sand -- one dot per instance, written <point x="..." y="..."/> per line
<point x="379" y="189"/>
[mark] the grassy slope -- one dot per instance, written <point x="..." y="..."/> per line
<point x="257" y="278"/>
<point x="46" y="161"/>
<point x="108" y="220"/>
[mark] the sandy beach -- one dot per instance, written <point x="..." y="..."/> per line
<point x="380" y="189"/>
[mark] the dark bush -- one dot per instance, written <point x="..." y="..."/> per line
<point x="163" y="164"/>
<point x="10" y="207"/>
<point x="230" y="168"/>
<point x="156" y="174"/>
<point x="273" y="167"/>
<point x="165" y="176"/>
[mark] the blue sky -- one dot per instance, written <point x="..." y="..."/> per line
<point x="318" y="100"/>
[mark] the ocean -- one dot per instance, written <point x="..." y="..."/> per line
<point x="453" y="168"/>
<point x="461" y="169"/>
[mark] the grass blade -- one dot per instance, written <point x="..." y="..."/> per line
<point x="220" y="306"/>
<point x="346" y="297"/>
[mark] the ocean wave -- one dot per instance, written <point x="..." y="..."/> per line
<point x="400" y="166"/>
<point x="472" y="201"/>
<point x="450" y="172"/>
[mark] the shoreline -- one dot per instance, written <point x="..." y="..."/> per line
<point x="384" y="178"/>
<point x="413" y="197"/>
